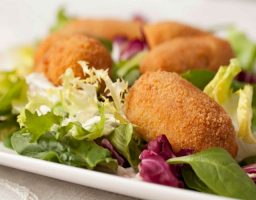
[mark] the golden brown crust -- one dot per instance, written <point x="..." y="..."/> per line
<point x="182" y="54"/>
<point x="164" y="31"/>
<point x="104" y="28"/>
<point x="66" y="53"/>
<point x="45" y="45"/>
<point x="164" y="103"/>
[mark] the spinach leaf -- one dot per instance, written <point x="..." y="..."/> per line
<point x="192" y="181"/>
<point x="127" y="143"/>
<point x="106" y="43"/>
<point x="199" y="78"/>
<point x="220" y="172"/>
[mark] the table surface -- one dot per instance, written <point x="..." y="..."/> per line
<point x="51" y="189"/>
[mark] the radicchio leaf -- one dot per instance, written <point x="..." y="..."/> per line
<point x="251" y="171"/>
<point x="106" y="144"/>
<point x="153" y="168"/>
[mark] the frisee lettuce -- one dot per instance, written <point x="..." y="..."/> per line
<point x="65" y="124"/>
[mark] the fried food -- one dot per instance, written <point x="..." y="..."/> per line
<point x="182" y="54"/>
<point x="67" y="52"/>
<point x="164" y="103"/>
<point x="104" y="28"/>
<point x="164" y="31"/>
<point x="45" y="45"/>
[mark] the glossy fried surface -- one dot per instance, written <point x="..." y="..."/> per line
<point x="164" y="103"/>
<point x="160" y="32"/>
<point x="182" y="54"/>
<point x="67" y="52"/>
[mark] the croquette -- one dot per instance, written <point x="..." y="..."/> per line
<point x="182" y="54"/>
<point x="164" y="31"/>
<point x="164" y="103"/>
<point x="45" y="45"/>
<point x="66" y="53"/>
<point x="104" y="28"/>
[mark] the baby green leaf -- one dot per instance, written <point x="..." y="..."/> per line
<point x="220" y="172"/>
<point x="193" y="182"/>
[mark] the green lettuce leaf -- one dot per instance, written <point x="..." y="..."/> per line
<point x="37" y="125"/>
<point x="85" y="154"/>
<point x="238" y="104"/>
<point x="128" y="70"/>
<point x="13" y="91"/>
<point x="61" y="20"/>
<point x="219" y="172"/>
<point x="127" y="143"/>
<point x="220" y="86"/>
<point x="198" y="77"/>
<point x="244" y="48"/>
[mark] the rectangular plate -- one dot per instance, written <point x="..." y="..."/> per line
<point x="99" y="180"/>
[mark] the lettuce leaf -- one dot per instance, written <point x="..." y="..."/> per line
<point x="61" y="20"/>
<point x="85" y="154"/>
<point x="128" y="69"/>
<point x="238" y="105"/>
<point x="127" y="143"/>
<point x="13" y="91"/>
<point x="12" y="97"/>
<point x="244" y="48"/>
<point x="199" y="77"/>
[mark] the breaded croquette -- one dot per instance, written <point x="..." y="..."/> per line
<point x="45" y="45"/>
<point x="182" y="54"/>
<point x="164" y="103"/>
<point x="66" y="53"/>
<point x="104" y="28"/>
<point x="164" y="31"/>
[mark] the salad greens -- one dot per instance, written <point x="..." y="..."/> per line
<point x="237" y="104"/>
<point x="199" y="77"/>
<point x="62" y="124"/>
<point x="12" y="97"/>
<point x="219" y="172"/>
<point x="128" y="69"/>
<point x="244" y="48"/>
<point x="192" y="180"/>
<point x="64" y="150"/>
<point x="127" y="143"/>
<point x="61" y="20"/>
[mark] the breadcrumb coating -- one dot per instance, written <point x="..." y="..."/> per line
<point x="67" y="52"/>
<point x="182" y="54"/>
<point x="104" y="28"/>
<point x="164" y="103"/>
<point x="160" y="32"/>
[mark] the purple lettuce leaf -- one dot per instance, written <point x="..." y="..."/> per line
<point x="154" y="169"/>
<point x="251" y="171"/>
<point x="106" y="144"/>
<point x="246" y="77"/>
<point x="161" y="147"/>
<point x="124" y="49"/>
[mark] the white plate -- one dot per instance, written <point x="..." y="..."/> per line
<point x="102" y="181"/>
<point x="27" y="20"/>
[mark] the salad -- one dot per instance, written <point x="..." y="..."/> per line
<point x="167" y="103"/>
